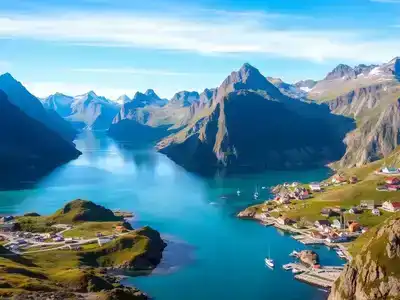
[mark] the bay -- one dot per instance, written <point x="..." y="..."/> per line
<point x="211" y="253"/>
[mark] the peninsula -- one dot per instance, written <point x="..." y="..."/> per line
<point x="75" y="253"/>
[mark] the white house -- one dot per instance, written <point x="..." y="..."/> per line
<point x="376" y="212"/>
<point x="337" y="224"/>
<point x="391" y="206"/>
<point x="387" y="170"/>
<point x="315" y="186"/>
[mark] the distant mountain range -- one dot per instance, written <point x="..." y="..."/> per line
<point x="249" y="122"/>
<point x="87" y="111"/>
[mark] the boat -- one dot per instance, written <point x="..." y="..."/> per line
<point x="341" y="254"/>
<point x="294" y="253"/>
<point x="269" y="262"/>
<point x="296" y="271"/>
<point x="238" y="192"/>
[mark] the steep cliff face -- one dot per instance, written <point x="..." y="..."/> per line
<point x="28" y="148"/>
<point x="374" y="273"/>
<point x="19" y="96"/>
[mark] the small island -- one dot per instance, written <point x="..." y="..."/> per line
<point x="76" y="253"/>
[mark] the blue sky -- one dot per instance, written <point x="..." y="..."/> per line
<point x="122" y="46"/>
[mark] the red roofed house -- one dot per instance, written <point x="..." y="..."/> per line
<point x="338" y="179"/>
<point x="392" y="180"/>
<point x="391" y="206"/>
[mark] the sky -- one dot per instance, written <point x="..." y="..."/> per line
<point x="117" y="47"/>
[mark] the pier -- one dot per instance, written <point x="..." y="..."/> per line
<point x="322" y="277"/>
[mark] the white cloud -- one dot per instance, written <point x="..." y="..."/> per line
<point x="387" y="1"/>
<point x="209" y="34"/>
<point x="45" y="88"/>
<point x="132" y="71"/>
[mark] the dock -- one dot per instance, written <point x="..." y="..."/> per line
<point x="322" y="277"/>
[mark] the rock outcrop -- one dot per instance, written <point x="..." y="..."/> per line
<point x="309" y="257"/>
<point x="374" y="273"/>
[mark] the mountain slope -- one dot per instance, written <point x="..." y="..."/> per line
<point x="29" y="104"/>
<point x="374" y="273"/>
<point x="251" y="125"/>
<point x="28" y="148"/>
<point x="370" y="95"/>
<point x="87" y="111"/>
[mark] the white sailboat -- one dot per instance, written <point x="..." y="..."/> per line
<point x="269" y="261"/>
<point x="238" y="192"/>
<point x="256" y="195"/>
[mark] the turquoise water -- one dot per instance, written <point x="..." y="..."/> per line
<point x="211" y="254"/>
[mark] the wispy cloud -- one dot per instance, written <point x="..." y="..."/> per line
<point x="387" y="1"/>
<point x="207" y="34"/>
<point x="132" y="71"/>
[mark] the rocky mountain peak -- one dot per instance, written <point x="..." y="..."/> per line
<point x="151" y="93"/>
<point x="185" y="98"/>
<point x="341" y="71"/>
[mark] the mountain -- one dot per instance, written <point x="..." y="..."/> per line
<point x="306" y="85"/>
<point x="374" y="273"/>
<point x="185" y="98"/>
<point x="87" y="111"/>
<point x="18" y="95"/>
<point x="153" y="118"/>
<point x="370" y="94"/>
<point x="290" y="90"/>
<point x="251" y="125"/>
<point x="123" y="99"/>
<point x="28" y="149"/>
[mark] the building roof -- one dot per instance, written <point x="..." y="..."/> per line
<point x="324" y="222"/>
<point x="396" y="204"/>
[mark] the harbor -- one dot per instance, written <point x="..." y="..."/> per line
<point x="323" y="276"/>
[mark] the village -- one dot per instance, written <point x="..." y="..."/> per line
<point x="337" y="226"/>
<point x="55" y="237"/>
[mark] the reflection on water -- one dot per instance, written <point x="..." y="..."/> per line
<point x="210" y="253"/>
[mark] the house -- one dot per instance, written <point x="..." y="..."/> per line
<point x="338" y="179"/>
<point x="391" y="206"/>
<point x="284" y="221"/>
<point x="367" y="204"/>
<point x="353" y="227"/>
<point x="337" y="224"/>
<point x="335" y="238"/>
<point x="317" y="235"/>
<point x="120" y="228"/>
<point x="390" y="170"/>
<point x="68" y="240"/>
<point x="58" y="239"/>
<point x="9" y="226"/>
<point x="328" y="212"/>
<point x="315" y="186"/>
<point x="284" y="200"/>
<point x="376" y="212"/>
<point x="392" y="180"/>
<point x="353" y="179"/>
<point x="393" y="187"/>
<point x="321" y="224"/>
<point x="355" y="210"/>
<point x="103" y="240"/>
<point x="295" y="184"/>
<point x="304" y="195"/>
